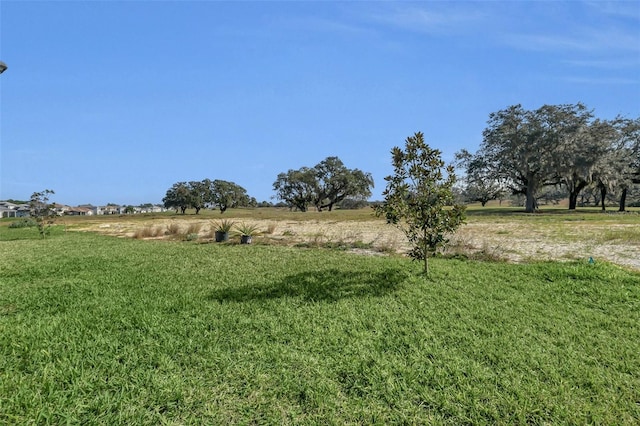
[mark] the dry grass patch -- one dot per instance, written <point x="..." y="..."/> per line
<point x="271" y="228"/>
<point x="194" y="228"/>
<point x="510" y="237"/>
<point x="147" y="232"/>
<point x="173" y="228"/>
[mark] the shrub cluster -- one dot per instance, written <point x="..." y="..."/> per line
<point x="23" y="223"/>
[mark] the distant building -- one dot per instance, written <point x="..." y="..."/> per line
<point x="79" y="211"/>
<point x="112" y="209"/>
<point x="61" y="209"/>
<point x="8" y="209"/>
<point x="94" y="210"/>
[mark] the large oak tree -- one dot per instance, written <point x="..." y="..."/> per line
<point x="206" y="193"/>
<point x="528" y="149"/>
<point x="324" y="185"/>
<point x="335" y="182"/>
<point x="225" y="194"/>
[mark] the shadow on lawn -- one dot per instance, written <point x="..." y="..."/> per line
<point x="315" y="286"/>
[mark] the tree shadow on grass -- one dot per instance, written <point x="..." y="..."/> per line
<point x="315" y="286"/>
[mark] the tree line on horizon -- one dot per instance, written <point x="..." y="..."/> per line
<point x="523" y="153"/>
<point x="197" y="195"/>
<point x="324" y="185"/>
<point x="561" y="146"/>
<point x="550" y="153"/>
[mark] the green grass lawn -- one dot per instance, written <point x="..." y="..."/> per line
<point x="102" y="330"/>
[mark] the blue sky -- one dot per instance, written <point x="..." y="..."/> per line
<point x="114" y="101"/>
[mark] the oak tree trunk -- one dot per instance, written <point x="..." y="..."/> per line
<point x="623" y="200"/>
<point x="531" y="205"/>
<point x="603" y="195"/>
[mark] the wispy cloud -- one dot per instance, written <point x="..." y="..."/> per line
<point x="581" y="43"/>
<point x="332" y="26"/>
<point x="623" y="9"/>
<point x="607" y="63"/>
<point x="608" y="81"/>
<point x="597" y="27"/>
<point x="432" y="17"/>
<point x="587" y="39"/>
<point x="556" y="27"/>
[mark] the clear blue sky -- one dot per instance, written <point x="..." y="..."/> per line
<point x="114" y="101"/>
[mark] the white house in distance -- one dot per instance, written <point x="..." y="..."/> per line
<point x="8" y="209"/>
<point x="79" y="211"/>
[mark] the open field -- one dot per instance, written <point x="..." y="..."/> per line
<point x="301" y="328"/>
<point x="496" y="233"/>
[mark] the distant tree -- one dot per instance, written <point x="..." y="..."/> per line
<point x="551" y="195"/>
<point x="353" y="204"/>
<point x="42" y="211"/>
<point x="607" y="174"/>
<point x="201" y="194"/>
<point x="581" y="151"/>
<point x="628" y="142"/>
<point x="204" y="194"/>
<point x="619" y="168"/>
<point x="129" y="209"/>
<point x="297" y="188"/>
<point x="228" y="194"/>
<point x="419" y="198"/>
<point x="558" y="145"/>
<point x="482" y="191"/>
<point x="480" y="184"/>
<point x="335" y="182"/>
<point x="523" y="148"/>
<point x="633" y="197"/>
<point x="324" y="185"/>
<point x="590" y="196"/>
<point x="178" y="197"/>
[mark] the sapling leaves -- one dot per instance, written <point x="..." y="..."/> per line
<point x="419" y="198"/>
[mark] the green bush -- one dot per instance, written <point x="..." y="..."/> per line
<point x="23" y="223"/>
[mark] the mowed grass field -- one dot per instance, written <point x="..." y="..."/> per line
<point x="98" y="329"/>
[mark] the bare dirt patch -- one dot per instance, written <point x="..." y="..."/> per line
<point x="519" y="242"/>
<point x="510" y="241"/>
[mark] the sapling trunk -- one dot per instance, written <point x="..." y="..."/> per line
<point x="426" y="264"/>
